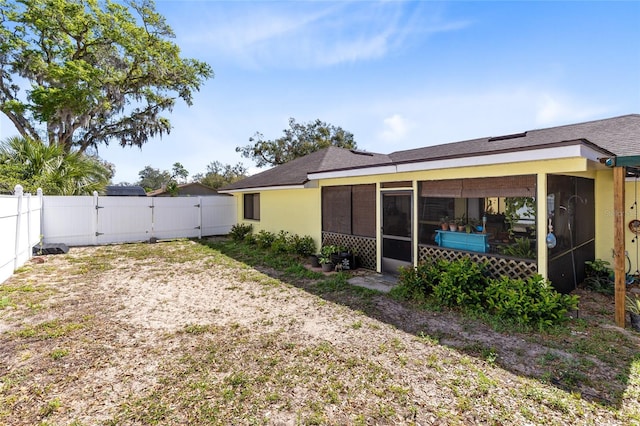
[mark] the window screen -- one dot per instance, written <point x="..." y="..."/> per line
<point x="252" y="206"/>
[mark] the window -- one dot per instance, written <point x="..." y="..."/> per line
<point x="349" y="209"/>
<point x="252" y="206"/>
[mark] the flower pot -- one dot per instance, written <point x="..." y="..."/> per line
<point x="313" y="260"/>
<point x="444" y="226"/>
<point x="461" y="228"/>
<point x="635" y="321"/>
<point x="453" y="227"/>
<point x="327" y="267"/>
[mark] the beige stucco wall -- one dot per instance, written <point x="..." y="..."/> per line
<point x="294" y="210"/>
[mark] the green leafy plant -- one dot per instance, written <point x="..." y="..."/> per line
<point x="599" y="276"/>
<point x="461" y="283"/>
<point x="326" y="252"/>
<point x="264" y="239"/>
<point x="632" y="304"/>
<point x="532" y="302"/>
<point x="517" y="208"/>
<point x="240" y="230"/>
<point x="416" y="283"/>
<point x="521" y="248"/>
<point x="305" y="246"/>
<point x="283" y="243"/>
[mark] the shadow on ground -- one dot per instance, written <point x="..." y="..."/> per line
<point x="590" y="357"/>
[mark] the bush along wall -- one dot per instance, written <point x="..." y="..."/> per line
<point x="465" y="284"/>
<point x="281" y="242"/>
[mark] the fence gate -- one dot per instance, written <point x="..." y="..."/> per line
<point x="123" y="219"/>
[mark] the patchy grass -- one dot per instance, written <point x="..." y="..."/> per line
<point x="223" y="333"/>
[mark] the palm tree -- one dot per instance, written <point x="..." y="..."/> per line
<point x="34" y="165"/>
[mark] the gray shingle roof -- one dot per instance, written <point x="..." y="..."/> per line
<point x="618" y="136"/>
<point x="295" y="172"/>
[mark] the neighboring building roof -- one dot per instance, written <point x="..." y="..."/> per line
<point x="619" y="136"/>
<point x="186" y="189"/>
<point x="126" y="191"/>
<point x="295" y="172"/>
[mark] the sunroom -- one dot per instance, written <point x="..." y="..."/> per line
<point x="495" y="220"/>
<point x="491" y="219"/>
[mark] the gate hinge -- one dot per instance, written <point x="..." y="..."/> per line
<point x="99" y="207"/>
<point x="197" y="227"/>
<point x="99" y="233"/>
<point x="196" y="205"/>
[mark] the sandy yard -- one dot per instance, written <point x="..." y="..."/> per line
<point x="177" y="333"/>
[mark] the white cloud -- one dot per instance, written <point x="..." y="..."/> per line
<point x="316" y="34"/>
<point x="396" y="127"/>
<point x="555" y="108"/>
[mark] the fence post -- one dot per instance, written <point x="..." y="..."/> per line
<point x="18" y="193"/>
<point x="29" y="249"/>
<point x="41" y="227"/>
<point x="94" y="233"/>
<point x="200" y="217"/>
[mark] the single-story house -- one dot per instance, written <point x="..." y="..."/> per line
<point x="540" y="201"/>
<point x="193" y="189"/>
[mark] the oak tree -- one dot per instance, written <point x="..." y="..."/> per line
<point x="81" y="73"/>
<point x="298" y="140"/>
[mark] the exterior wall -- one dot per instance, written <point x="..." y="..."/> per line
<point x="294" y="210"/>
<point x="605" y="217"/>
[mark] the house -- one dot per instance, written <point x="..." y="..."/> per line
<point x="125" y="191"/>
<point x="193" y="189"/>
<point x="540" y="201"/>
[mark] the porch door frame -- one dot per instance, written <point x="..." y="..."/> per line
<point x="392" y="260"/>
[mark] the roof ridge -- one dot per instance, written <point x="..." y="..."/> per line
<point x="582" y="123"/>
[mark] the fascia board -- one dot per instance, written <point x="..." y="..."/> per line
<point x="366" y="171"/>
<point x="555" y="153"/>
<point x="262" y="188"/>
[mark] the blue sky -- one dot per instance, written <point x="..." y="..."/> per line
<point x="398" y="75"/>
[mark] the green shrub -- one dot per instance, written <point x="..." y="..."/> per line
<point x="461" y="283"/>
<point x="416" y="283"/>
<point x="240" y="230"/>
<point x="264" y="239"/>
<point x="304" y="246"/>
<point x="250" y="239"/>
<point x="532" y="302"/>
<point x="283" y="243"/>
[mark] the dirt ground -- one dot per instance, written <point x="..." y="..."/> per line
<point x="84" y="334"/>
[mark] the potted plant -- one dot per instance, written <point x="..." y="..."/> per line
<point x="453" y="225"/>
<point x="461" y="222"/>
<point x="632" y="305"/>
<point x="326" y="258"/>
<point x="444" y="223"/>
<point x="325" y="263"/>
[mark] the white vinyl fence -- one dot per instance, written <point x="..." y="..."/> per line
<point x="95" y="220"/>
<point x="19" y="229"/>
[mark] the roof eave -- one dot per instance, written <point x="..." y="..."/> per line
<point x="566" y="149"/>
<point x="262" y="188"/>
